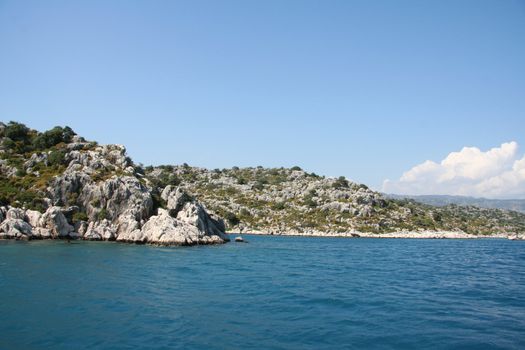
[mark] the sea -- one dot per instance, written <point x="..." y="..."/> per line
<point x="273" y="292"/>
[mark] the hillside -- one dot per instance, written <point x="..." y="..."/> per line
<point x="56" y="184"/>
<point x="293" y="201"/>
<point x="442" y="200"/>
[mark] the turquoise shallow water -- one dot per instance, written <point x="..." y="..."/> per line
<point x="273" y="293"/>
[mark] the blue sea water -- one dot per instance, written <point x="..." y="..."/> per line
<point x="272" y="293"/>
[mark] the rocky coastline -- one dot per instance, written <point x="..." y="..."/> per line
<point x="295" y="202"/>
<point x="70" y="188"/>
<point x="57" y="185"/>
<point x="392" y="235"/>
<point x="190" y="224"/>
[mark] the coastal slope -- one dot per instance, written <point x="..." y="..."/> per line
<point x="294" y="202"/>
<point x="56" y="184"/>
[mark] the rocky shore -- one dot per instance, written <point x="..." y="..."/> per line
<point x="402" y="234"/>
<point x="55" y="184"/>
<point x="185" y="223"/>
<point x="293" y="201"/>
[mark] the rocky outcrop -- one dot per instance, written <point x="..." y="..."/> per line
<point x="101" y="231"/>
<point x="186" y="222"/>
<point x="99" y="195"/>
<point x="15" y="228"/>
<point x="15" y="213"/>
<point x="183" y="222"/>
<point x="55" y="221"/>
<point x="167" y="230"/>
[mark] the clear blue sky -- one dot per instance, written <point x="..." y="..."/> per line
<point x="365" y="89"/>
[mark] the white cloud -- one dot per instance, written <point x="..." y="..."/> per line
<point x="496" y="173"/>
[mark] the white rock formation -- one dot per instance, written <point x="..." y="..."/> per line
<point x="15" y="228"/>
<point x="55" y="221"/>
<point x="102" y="230"/>
<point x="184" y="222"/>
<point x="102" y="183"/>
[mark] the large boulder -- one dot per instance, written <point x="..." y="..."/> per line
<point x="102" y="230"/>
<point x="186" y="209"/>
<point x="16" y="213"/>
<point x="81" y="227"/>
<point x="55" y="221"/>
<point x="164" y="229"/>
<point x="33" y="217"/>
<point x="175" y="198"/>
<point x="41" y="233"/>
<point x="194" y="214"/>
<point x="15" y="228"/>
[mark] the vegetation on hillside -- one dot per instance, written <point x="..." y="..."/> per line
<point x="292" y="200"/>
<point x="268" y="200"/>
<point x="29" y="161"/>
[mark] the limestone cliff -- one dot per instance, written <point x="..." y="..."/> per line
<point x="56" y="184"/>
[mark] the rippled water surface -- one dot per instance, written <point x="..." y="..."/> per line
<point x="272" y="293"/>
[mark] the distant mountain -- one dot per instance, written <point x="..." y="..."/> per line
<point x="443" y="200"/>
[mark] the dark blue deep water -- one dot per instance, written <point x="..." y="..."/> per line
<point x="273" y="293"/>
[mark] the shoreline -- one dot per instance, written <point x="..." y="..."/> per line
<point x="395" y="235"/>
<point x="350" y="235"/>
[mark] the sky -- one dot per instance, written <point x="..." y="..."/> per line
<point x="372" y="90"/>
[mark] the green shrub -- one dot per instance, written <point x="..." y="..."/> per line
<point x="279" y="206"/>
<point x="259" y="186"/>
<point x="231" y="191"/>
<point x="80" y="216"/>
<point x="17" y="138"/>
<point x="232" y="219"/>
<point x="164" y="179"/>
<point x="57" y="158"/>
<point x="21" y="172"/>
<point x="309" y="202"/>
<point x="17" y="132"/>
<point x="103" y="214"/>
<point x="53" y="137"/>
<point x="245" y="213"/>
<point x="309" y="199"/>
<point x="341" y="182"/>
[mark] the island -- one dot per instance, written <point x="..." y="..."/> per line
<point x="56" y="184"/>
